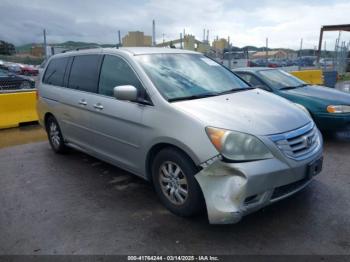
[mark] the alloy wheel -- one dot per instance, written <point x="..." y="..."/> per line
<point x="173" y="183"/>
<point x="54" y="135"/>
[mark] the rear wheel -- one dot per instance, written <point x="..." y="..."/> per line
<point x="173" y="178"/>
<point x="55" y="135"/>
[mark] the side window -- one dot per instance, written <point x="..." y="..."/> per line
<point x="84" y="73"/>
<point x="55" y="71"/>
<point x="115" y="72"/>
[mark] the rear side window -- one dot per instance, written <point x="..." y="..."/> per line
<point x="84" y="73"/>
<point x="115" y="72"/>
<point x="55" y="71"/>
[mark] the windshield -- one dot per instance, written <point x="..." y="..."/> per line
<point x="189" y="76"/>
<point x="280" y="79"/>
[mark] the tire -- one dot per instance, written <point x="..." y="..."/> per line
<point x="166" y="164"/>
<point x="55" y="136"/>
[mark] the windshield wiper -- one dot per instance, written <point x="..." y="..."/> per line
<point x="292" y="87"/>
<point x="233" y="90"/>
<point x="192" y="97"/>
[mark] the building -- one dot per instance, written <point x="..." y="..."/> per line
<point x="189" y="42"/>
<point x="37" y="51"/>
<point x="137" y="38"/>
<point x="220" y="44"/>
<point x="276" y="54"/>
<point x="203" y="47"/>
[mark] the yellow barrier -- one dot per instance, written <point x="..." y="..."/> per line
<point x="314" y="77"/>
<point x="17" y="107"/>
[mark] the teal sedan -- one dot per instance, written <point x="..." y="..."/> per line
<point x="329" y="108"/>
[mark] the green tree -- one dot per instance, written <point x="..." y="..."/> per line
<point x="6" y="48"/>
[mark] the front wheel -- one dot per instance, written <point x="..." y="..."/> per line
<point x="173" y="178"/>
<point x="55" y="135"/>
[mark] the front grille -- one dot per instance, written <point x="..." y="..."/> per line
<point x="6" y="85"/>
<point x="286" y="189"/>
<point x="298" y="144"/>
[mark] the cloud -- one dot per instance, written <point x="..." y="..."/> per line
<point x="246" y="22"/>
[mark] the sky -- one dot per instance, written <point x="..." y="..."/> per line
<point x="246" y="22"/>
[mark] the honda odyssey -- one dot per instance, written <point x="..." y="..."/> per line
<point x="204" y="137"/>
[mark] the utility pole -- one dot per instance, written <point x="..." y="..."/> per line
<point x="119" y="39"/>
<point x="267" y="52"/>
<point x="181" y="46"/>
<point x="153" y="33"/>
<point x="301" y="47"/>
<point x="45" y="44"/>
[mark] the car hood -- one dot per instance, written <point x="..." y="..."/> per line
<point x="329" y="95"/>
<point x="253" y="111"/>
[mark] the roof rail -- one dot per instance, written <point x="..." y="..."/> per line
<point x="88" y="47"/>
<point x="82" y="48"/>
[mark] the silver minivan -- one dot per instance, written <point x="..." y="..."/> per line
<point x="204" y="137"/>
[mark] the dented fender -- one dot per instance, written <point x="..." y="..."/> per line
<point x="224" y="191"/>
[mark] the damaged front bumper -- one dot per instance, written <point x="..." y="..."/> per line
<point x="232" y="190"/>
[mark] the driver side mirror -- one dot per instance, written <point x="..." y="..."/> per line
<point x="125" y="92"/>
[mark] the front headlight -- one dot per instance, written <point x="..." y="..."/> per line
<point x="238" y="146"/>
<point x="338" y="109"/>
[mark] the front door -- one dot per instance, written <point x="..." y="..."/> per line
<point x="117" y="124"/>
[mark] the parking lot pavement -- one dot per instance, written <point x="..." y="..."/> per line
<point x="21" y="135"/>
<point x="75" y="204"/>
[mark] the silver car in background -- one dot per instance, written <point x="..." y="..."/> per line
<point x="200" y="134"/>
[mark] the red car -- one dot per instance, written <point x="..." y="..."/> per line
<point x="28" y="70"/>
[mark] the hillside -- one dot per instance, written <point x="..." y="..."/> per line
<point x="67" y="44"/>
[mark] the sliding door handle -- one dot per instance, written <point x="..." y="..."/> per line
<point x="82" y="102"/>
<point x="98" y="106"/>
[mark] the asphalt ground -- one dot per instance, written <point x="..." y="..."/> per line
<point x="24" y="134"/>
<point x="76" y="204"/>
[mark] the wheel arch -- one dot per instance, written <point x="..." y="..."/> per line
<point x="157" y="147"/>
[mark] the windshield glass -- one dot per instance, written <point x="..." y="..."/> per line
<point x="181" y="76"/>
<point x="280" y="79"/>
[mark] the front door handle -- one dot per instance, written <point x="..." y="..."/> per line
<point x="82" y="102"/>
<point x="98" y="106"/>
